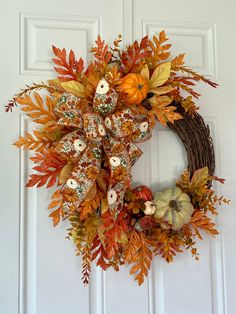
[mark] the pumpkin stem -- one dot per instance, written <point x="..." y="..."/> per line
<point x="173" y="204"/>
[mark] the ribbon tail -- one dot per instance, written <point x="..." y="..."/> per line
<point x="134" y="152"/>
<point x="82" y="177"/>
<point x="120" y="175"/>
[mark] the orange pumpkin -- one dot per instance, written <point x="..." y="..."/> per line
<point x="136" y="88"/>
<point x="143" y="193"/>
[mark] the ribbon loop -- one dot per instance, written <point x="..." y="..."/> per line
<point x="143" y="130"/>
<point x="105" y="99"/>
<point x="68" y="110"/>
<point x="122" y="123"/>
<point x="71" y="145"/>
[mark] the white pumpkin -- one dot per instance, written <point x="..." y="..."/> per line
<point x="173" y="207"/>
<point x="150" y="208"/>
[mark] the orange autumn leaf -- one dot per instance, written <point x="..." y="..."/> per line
<point x="56" y="216"/>
<point x="201" y="221"/>
<point x="36" y="141"/>
<point x="56" y="202"/>
<point x="90" y="205"/>
<point x="113" y="75"/>
<point x="101" y="52"/>
<point x="103" y="180"/>
<point x="178" y="61"/>
<point x="138" y="253"/>
<point x="38" y="111"/>
<point x="163" y="111"/>
<point x="159" y="49"/>
<point x="202" y="196"/>
<point x="197" y="184"/>
<point x="189" y="106"/>
<point x="166" y="245"/>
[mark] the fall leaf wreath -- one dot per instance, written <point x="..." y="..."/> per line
<point x="91" y="121"/>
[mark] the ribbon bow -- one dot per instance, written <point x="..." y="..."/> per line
<point x="102" y="131"/>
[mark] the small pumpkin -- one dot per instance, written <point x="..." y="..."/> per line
<point x="173" y="207"/>
<point x="150" y="208"/>
<point x="143" y="192"/>
<point x="136" y="88"/>
<point x="145" y="223"/>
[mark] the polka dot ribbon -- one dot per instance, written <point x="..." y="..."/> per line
<point x="103" y="131"/>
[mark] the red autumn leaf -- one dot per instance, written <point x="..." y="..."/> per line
<point x="113" y="231"/>
<point x="86" y="263"/>
<point x="68" y="69"/>
<point x="99" y="251"/>
<point x="49" y="165"/>
<point x="221" y="180"/>
<point x="132" y="56"/>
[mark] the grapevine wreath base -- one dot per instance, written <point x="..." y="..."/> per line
<point x="91" y="122"/>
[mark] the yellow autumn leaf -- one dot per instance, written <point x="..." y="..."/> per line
<point x="104" y="205"/>
<point x="47" y="125"/>
<point x="161" y="90"/>
<point x="122" y="238"/>
<point x="55" y="83"/>
<point x="160" y="75"/>
<point x="163" y="100"/>
<point x="145" y="72"/>
<point x="200" y="178"/>
<point x="65" y="172"/>
<point x="74" y="87"/>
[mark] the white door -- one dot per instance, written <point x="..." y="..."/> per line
<point x="39" y="273"/>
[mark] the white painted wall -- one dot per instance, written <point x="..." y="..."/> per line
<point x="39" y="273"/>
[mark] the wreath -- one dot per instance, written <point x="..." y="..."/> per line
<point x="91" y="122"/>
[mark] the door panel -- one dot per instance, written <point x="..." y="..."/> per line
<point x="205" y="286"/>
<point x="39" y="271"/>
